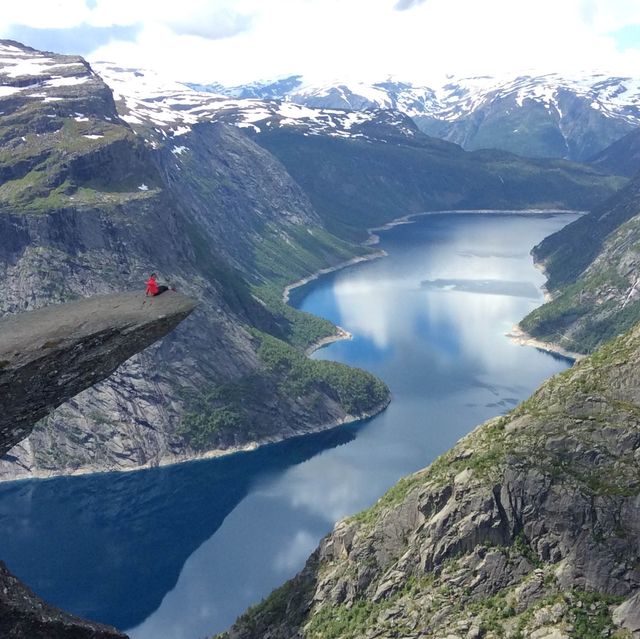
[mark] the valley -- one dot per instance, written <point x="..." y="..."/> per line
<point x="300" y="392"/>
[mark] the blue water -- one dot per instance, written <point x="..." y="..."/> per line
<point x="179" y="552"/>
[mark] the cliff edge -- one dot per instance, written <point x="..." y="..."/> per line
<point x="49" y="355"/>
<point x="46" y="357"/>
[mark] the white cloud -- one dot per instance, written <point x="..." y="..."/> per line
<point x="240" y="40"/>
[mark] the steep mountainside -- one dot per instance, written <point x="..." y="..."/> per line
<point x="593" y="266"/>
<point x="537" y="116"/>
<point x="99" y="189"/>
<point x="88" y="206"/>
<point x="354" y="183"/>
<point x="528" y="527"/>
<point x="622" y="157"/>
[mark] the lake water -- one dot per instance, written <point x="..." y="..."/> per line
<point x="179" y="552"/>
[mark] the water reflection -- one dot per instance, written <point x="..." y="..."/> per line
<point x="109" y="547"/>
<point x="179" y="552"/>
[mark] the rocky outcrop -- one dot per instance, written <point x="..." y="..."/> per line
<point x="23" y="615"/>
<point x="46" y="357"/>
<point x="50" y="355"/>
<point x="528" y="527"/>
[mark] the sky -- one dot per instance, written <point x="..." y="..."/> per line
<point x="423" y="41"/>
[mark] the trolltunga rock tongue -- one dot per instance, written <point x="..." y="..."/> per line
<point x="49" y="355"/>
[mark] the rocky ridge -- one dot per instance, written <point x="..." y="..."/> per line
<point x="528" y="527"/>
<point x="170" y="109"/>
<point x="538" y="116"/>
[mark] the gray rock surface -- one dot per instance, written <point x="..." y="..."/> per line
<point x="49" y="355"/>
<point x="23" y="615"/>
<point x="528" y="527"/>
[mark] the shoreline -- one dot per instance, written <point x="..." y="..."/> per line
<point x="520" y="336"/>
<point x="329" y="269"/>
<point x="329" y="339"/>
<point x="409" y="219"/>
<point x="216" y="453"/>
<point x="516" y="334"/>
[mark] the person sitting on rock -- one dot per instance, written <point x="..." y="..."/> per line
<point x="152" y="286"/>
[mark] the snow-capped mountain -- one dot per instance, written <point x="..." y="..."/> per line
<point x="547" y="115"/>
<point x="152" y="104"/>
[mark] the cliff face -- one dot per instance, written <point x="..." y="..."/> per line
<point x="24" y="616"/>
<point x="46" y="357"/>
<point x="50" y="355"/>
<point x="528" y="527"/>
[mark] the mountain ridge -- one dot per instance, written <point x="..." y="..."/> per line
<point x="539" y="116"/>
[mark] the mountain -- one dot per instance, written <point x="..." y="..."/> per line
<point x="105" y="180"/>
<point x="357" y="167"/>
<point x="622" y="157"/>
<point x="537" y="116"/>
<point x="528" y="527"/>
<point x="593" y="268"/>
<point x="88" y="206"/>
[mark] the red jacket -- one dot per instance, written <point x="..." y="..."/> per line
<point x="152" y="286"/>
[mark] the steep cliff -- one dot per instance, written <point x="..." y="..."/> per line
<point x="528" y="527"/>
<point x="88" y="206"/>
<point x="49" y="355"/>
<point x="593" y="269"/>
<point x="24" y="616"/>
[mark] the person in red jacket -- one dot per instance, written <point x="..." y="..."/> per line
<point x="153" y="288"/>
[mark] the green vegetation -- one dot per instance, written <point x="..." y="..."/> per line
<point x="357" y="184"/>
<point x="281" y="258"/>
<point x="355" y="390"/>
<point x="299" y="329"/>
<point x="234" y="413"/>
<point x="591" y="267"/>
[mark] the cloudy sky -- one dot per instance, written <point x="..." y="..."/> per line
<point x="235" y="41"/>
